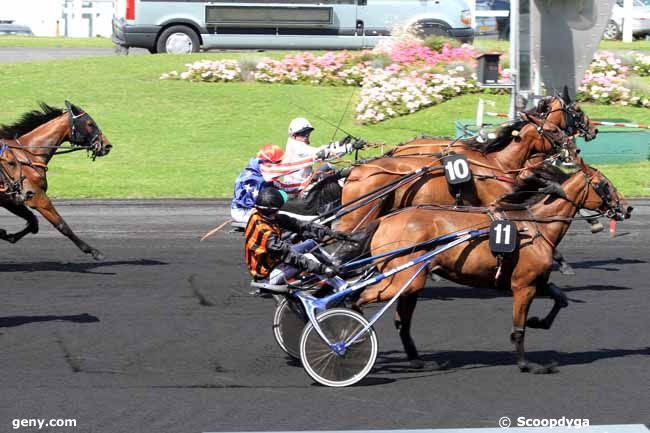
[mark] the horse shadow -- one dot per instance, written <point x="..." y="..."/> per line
<point x="601" y="264"/>
<point x="13" y="321"/>
<point x="450" y="293"/>
<point x="394" y="362"/>
<point x="79" y="268"/>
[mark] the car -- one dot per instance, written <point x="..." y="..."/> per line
<point x="182" y="27"/>
<point x="485" y="26"/>
<point x="640" y="23"/>
<point x="7" y="27"/>
<point x="502" y="22"/>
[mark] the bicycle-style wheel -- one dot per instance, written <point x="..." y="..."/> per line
<point x="323" y="364"/>
<point x="288" y="322"/>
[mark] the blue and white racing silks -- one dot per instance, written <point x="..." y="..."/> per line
<point x="247" y="185"/>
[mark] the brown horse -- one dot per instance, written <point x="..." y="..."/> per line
<point x="541" y="226"/>
<point x="576" y="122"/>
<point x="29" y="145"/>
<point x="495" y="164"/>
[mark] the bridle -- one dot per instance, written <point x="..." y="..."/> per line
<point x="79" y="140"/>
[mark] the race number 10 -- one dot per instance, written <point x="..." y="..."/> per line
<point x="457" y="169"/>
<point x="503" y="236"/>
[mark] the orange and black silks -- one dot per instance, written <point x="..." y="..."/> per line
<point x="259" y="259"/>
<point x="264" y="248"/>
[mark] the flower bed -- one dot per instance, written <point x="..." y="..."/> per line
<point x="606" y="81"/>
<point x="402" y="75"/>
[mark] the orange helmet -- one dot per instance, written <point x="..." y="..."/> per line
<point x="271" y="153"/>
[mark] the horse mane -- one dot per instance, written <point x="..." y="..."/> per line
<point x="502" y="139"/>
<point x="545" y="179"/>
<point x="30" y="121"/>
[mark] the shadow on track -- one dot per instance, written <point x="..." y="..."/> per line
<point x="80" y="268"/>
<point x="601" y="264"/>
<point x="450" y="293"/>
<point x="11" y="321"/>
<point x="391" y="362"/>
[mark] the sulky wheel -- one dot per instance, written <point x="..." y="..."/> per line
<point x="288" y="322"/>
<point x="327" y="367"/>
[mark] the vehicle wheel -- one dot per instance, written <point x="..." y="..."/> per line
<point x="327" y="367"/>
<point x="121" y="50"/>
<point x="288" y="322"/>
<point x="178" y="40"/>
<point x="611" y="31"/>
<point x="424" y="29"/>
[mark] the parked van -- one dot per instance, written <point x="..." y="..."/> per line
<point x="185" y="26"/>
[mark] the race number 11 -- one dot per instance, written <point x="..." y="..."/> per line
<point x="503" y="236"/>
<point x="457" y="169"/>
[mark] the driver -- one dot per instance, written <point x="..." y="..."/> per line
<point x="269" y="256"/>
<point x="298" y="149"/>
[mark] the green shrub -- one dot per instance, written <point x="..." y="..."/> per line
<point x="437" y="42"/>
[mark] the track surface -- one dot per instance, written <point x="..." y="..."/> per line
<point x="131" y="345"/>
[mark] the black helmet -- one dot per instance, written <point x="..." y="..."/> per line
<point x="270" y="198"/>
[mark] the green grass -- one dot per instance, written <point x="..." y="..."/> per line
<point x="45" y="42"/>
<point x="181" y="139"/>
<point x="633" y="180"/>
<point x="504" y="46"/>
<point x="100" y="42"/>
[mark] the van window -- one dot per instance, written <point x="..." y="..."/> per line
<point x="275" y="15"/>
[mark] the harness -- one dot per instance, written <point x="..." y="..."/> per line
<point x="13" y="184"/>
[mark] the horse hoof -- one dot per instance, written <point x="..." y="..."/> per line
<point x="417" y="363"/>
<point x="98" y="255"/>
<point x="3" y="234"/>
<point x="597" y="227"/>
<point x="551" y="368"/>
<point x="566" y="270"/>
<point x="524" y="368"/>
<point x="435" y="366"/>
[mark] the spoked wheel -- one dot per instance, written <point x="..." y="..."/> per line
<point x="327" y="367"/>
<point x="288" y="322"/>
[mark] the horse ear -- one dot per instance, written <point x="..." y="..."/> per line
<point x="565" y="95"/>
<point x="68" y="105"/>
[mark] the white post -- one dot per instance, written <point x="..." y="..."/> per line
<point x="76" y="25"/>
<point x="628" y="16"/>
<point x="479" y="112"/>
<point x="514" y="57"/>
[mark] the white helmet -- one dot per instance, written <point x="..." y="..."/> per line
<point x="299" y="126"/>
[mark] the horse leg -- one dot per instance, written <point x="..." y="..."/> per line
<point x="560" y="301"/>
<point x="522" y="299"/>
<point x="45" y="207"/>
<point x="22" y="211"/>
<point x="405" y="308"/>
<point x="565" y="267"/>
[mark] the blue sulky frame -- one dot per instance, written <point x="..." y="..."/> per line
<point x="314" y="305"/>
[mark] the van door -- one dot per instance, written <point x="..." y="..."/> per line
<point x="282" y="24"/>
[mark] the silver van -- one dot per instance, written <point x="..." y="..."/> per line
<point x="185" y="26"/>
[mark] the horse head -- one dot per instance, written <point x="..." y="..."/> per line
<point x="603" y="196"/>
<point x="85" y="133"/>
<point x="567" y="115"/>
